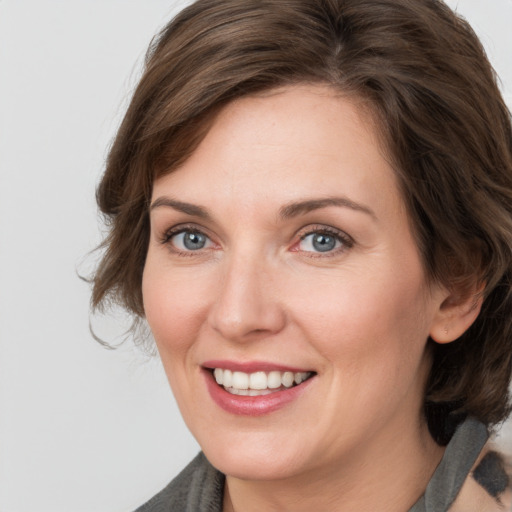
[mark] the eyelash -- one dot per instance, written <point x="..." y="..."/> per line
<point x="345" y="240"/>
<point x="177" y="230"/>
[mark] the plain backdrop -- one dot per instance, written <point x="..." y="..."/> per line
<point x="82" y="428"/>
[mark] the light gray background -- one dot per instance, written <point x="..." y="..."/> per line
<point x="83" y="429"/>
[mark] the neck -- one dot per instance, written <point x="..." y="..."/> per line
<point x="388" y="474"/>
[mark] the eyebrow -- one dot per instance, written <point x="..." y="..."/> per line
<point x="288" y="211"/>
<point x="301" y="207"/>
<point x="187" y="208"/>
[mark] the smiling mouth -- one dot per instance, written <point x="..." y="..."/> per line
<point x="258" y="383"/>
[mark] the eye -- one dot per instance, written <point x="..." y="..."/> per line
<point x="324" y="241"/>
<point x="187" y="240"/>
<point x="319" y="242"/>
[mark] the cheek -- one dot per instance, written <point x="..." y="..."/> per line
<point x="175" y="308"/>
<point x="175" y="305"/>
<point x="368" y="324"/>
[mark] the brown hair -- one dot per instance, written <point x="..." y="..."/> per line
<point x="428" y="83"/>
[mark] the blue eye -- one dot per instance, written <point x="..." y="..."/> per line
<point x="189" y="240"/>
<point x="320" y="242"/>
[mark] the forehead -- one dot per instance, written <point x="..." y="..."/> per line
<point x="292" y="141"/>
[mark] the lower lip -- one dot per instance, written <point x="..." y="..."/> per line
<point x="253" y="405"/>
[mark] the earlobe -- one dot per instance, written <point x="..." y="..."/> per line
<point x="455" y="316"/>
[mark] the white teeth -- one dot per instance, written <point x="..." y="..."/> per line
<point x="257" y="383"/>
<point x="274" y="380"/>
<point x="240" y="380"/>
<point x="258" y="392"/>
<point x="227" y="377"/>
<point x="287" y="379"/>
<point x="300" y="377"/>
<point x="258" y="380"/>
<point x="218" y="374"/>
<point x="248" y="392"/>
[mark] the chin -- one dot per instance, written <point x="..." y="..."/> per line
<point x="256" y="459"/>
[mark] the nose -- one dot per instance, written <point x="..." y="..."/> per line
<point x="247" y="304"/>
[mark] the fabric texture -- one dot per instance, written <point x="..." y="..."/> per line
<point x="458" y="459"/>
<point x="198" y="488"/>
<point x="468" y="479"/>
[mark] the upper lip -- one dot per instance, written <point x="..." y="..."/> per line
<point x="252" y="366"/>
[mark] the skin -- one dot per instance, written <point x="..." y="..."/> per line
<point x="358" y="315"/>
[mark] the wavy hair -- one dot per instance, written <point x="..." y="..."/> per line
<point x="425" y="78"/>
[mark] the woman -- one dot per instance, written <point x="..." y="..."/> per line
<point x="311" y="205"/>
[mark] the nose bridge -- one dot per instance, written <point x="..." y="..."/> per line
<point x="247" y="300"/>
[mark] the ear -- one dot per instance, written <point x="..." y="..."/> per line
<point x="456" y="313"/>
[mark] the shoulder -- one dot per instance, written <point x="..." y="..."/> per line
<point x="488" y="486"/>
<point x="199" y="488"/>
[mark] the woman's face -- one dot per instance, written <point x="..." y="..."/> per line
<point x="282" y="250"/>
